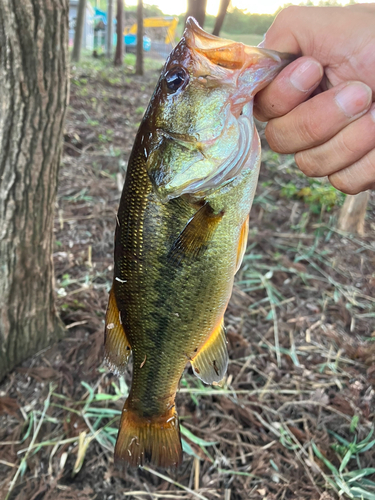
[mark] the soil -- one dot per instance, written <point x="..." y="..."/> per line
<point x="300" y="327"/>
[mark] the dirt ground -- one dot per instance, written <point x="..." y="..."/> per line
<point x="293" y="419"/>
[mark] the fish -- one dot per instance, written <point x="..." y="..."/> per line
<point x="181" y="233"/>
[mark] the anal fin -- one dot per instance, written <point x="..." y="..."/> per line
<point x="194" y="238"/>
<point x="211" y="362"/>
<point x="116" y="345"/>
<point x="242" y="243"/>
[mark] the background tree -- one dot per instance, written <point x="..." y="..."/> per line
<point x="197" y="9"/>
<point x="224" y="4"/>
<point x="139" y="62"/>
<point x="78" y="33"/>
<point x="109" y="28"/>
<point x="119" y="55"/>
<point x="33" y="97"/>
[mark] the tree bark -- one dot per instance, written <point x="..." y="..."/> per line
<point x="119" y="55"/>
<point x="76" y="54"/>
<point x="33" y="98"/>
<point x="139" y="62"/>
<point x="353" y="213"/>
<point x="197" y="9"/>
<point x="224" y="4"/>
<point x="109" y="28"/>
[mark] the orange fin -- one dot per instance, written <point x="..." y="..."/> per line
<point x="211" y="362"/>
<point x="242" y="243"/>
<point x="154" y="440"/>
<point x="116" y="345"/>
<point x="194" y="238"/>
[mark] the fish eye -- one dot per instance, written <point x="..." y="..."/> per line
<point x="176" y="78"/>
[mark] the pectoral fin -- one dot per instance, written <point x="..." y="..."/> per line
<point x="116" y="345"/>
<point x="211" y="362"/>
<point x="242" y="243"/>
<point x="194" y="238"/>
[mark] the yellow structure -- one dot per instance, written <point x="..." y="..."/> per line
<point x="157" y="22"/>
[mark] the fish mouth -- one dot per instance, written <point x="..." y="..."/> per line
<point x="229" y="54"/>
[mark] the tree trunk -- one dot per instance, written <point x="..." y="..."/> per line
<point x="119" y="56"/>
<point x="33" y="98"/>
<point x="197" y="9"/>
<point x="109" y="28"/>
<point x="224" y="4"/>
<point x="353" y="213"/>
<point x="139" y="62"/>
<point x="76" y="54"/>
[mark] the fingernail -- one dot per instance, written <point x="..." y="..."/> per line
<point x="354" y="98"/>
<point x="305" y="76"/>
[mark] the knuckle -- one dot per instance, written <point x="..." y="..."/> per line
<point x="310" y="130"/>
<point x="307" y="164"/>
<point x="289" y="12"/>
<point x="275" y="138"/>
<point x="345" y="147"/>
<point x="341" y="182"/>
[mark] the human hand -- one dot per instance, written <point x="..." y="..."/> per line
<point x="320" y="106"/>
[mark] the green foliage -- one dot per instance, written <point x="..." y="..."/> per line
<point x="354" y="483"/>
<point x="239" y="21"/>
<point x="148" y="10"/>
<point x="349" y="450"/>
<point x="242" y="22"/>
<point x="316" y="195"/>
<point x="92" y="123"/>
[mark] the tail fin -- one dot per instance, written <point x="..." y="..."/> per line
<point x="154" y="440"/>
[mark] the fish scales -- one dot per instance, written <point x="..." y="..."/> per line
<point x="181" y="233"/>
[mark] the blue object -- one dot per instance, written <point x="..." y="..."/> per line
<point x="101" y="15"/>
<point x="131" y="41"/>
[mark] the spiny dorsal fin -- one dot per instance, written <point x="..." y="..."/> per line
<point x="116" y="345"/>
<point x="242" y="243"/>
<point x="194" y="238"/>
<point x="211" y="362"/>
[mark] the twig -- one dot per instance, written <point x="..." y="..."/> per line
<point x="166" y="478"/>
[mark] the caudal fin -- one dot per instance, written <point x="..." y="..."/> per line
<point x="153" y="440"/>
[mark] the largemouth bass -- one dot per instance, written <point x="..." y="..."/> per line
<point x="181" y="232"/>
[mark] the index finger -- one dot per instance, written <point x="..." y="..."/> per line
<point x="289" y="89"/>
